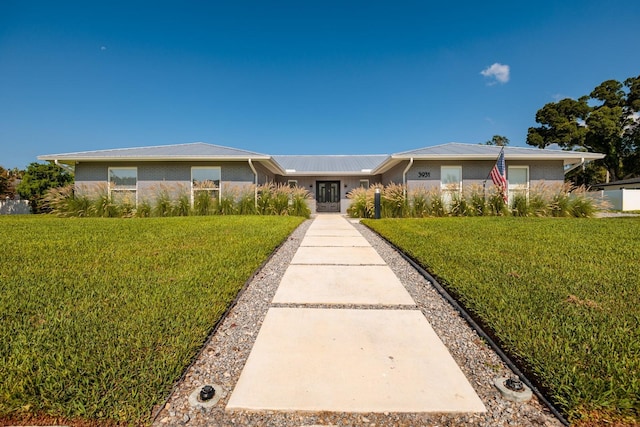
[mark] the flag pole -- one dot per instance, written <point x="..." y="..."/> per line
<point x="495" y="165"/>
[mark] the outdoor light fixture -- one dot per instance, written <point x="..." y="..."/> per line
<point x="207" y="393"/>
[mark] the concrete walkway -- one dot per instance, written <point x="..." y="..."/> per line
<point x="379" y="354"/>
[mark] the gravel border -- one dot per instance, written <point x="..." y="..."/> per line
<point x="224" y="355"/>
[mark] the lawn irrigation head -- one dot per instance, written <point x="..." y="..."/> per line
<point x="513" y="389"/>
<point x="206" y="396"/>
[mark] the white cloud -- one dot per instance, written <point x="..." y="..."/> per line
<point x="498" y="73"/>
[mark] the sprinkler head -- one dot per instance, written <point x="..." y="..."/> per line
<point x="207" y="393"/>
<point x="514" y="384"/>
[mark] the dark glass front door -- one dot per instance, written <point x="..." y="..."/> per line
<point x="328" y="196"/>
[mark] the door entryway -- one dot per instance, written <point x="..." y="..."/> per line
<point x="327" y="196"/>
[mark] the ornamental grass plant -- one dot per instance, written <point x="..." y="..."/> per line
<point x="541" y="200"/>
<point x="170" y="201"/>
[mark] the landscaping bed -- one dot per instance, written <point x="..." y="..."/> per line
<point x="562" y="296"/>
<point x="101" y="316"/>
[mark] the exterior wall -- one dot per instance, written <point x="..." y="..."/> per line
<point x="347" y="183"/>
<point x="264" y="176"/>
<point x="394" y="175"/>
<point x="174" y="177"/>
<point x="426" y="174"/>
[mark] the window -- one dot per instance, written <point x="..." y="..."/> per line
<point x="123" y="183"/>
<point x="292" y="183"/>
<point x="205" y="180"/>
<point x="518" y="179"/>
<point x="364" y="183"/>
<point x="450" y="183"/>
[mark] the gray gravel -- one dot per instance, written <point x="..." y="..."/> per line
<point x="224" y="356"/>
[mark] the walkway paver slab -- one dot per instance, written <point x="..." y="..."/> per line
<point x="344" y="360"/>
<point x="337" y="284"/>
<point x="339" y="232"/>
<point x="334" y="241"/>
<point x="337" y="256"/>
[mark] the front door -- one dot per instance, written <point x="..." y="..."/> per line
<point x="328" y="196"/>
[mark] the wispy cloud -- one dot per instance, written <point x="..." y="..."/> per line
<point x="497" y="73"/>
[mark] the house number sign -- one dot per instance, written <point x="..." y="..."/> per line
<point x="424" y="174"/>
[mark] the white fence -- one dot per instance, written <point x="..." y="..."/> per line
<point x="14" y="207"/>
<point x="621" y="200"/>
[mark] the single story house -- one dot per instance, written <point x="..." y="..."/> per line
<point x="137" y="173"/>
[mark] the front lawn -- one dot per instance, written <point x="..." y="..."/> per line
<point x="561" y="295"/>
<point x="101" y="316"/>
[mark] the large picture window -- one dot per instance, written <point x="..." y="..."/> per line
<point x="518" y="178"/>
<point x="205" y="181"/>
<point x="123" y="185"/>
<point x="450" y="183"/>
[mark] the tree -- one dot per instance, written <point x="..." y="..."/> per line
<point x="4" y="181"/>
<point x="37" y="179"/>
<point x="498" y="140"/>
<point x="606" y="121"/>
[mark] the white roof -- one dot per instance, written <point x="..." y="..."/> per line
<point x="321" y="164"/>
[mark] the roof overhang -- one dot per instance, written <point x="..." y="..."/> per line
<point x="267" y="161"/>
<point x="568" y="158"/>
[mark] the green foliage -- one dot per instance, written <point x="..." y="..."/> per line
<point x="559" y="201"/>
<point x="170" y="201"/>
<point x="163" y="206"/>
<point x="498" y="140"/>
<point x="204" y="204"/>
<point x="4" y="181"/>
<point x="393" y="201"/>
<point x="144" y="209"/>
<point x="562" y="296"/>
<point x="100" y="317"/>
<point x="227" y="204"/>
<point x="182" y="206"/>
<point x="299" y="206"/>
<point x="359" y="207"/>
<point x="37" y="179"/>
<point x="246" y="204"/>
<point x="610" y="127"/>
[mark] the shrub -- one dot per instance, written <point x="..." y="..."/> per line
<point x="280" y="200"/>
<point x="64" y="202"/>
<point x="520" y="205"/>
<point x="162" y="206"/>
<point x="477" y="201"/>
<point x="204" y="204"/>
<point x="358" y="206"/>
<point x="182" y="206"/>
<point x="299" y="205"/>
<point x="144" y="209"/>
<point x="227" y="203"/>
<point x="497" y="205"/>
<point x="247" y="201"/>
<point x="419" y="204"/>
<point x="436" y="204"/>
<point x="393" y="201"/>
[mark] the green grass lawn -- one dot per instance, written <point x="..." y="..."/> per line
<point x="101" y="316"/>
<point x="562" y="296"/>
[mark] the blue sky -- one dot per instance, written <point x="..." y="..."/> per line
<point x="298" y="77"/>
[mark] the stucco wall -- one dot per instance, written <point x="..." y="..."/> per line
<point x="347" y="183"/>
<point x="174" y="177"/>
<point x="426" y="174"/>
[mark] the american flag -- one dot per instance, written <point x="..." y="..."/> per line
<point x="498" y="175"/>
